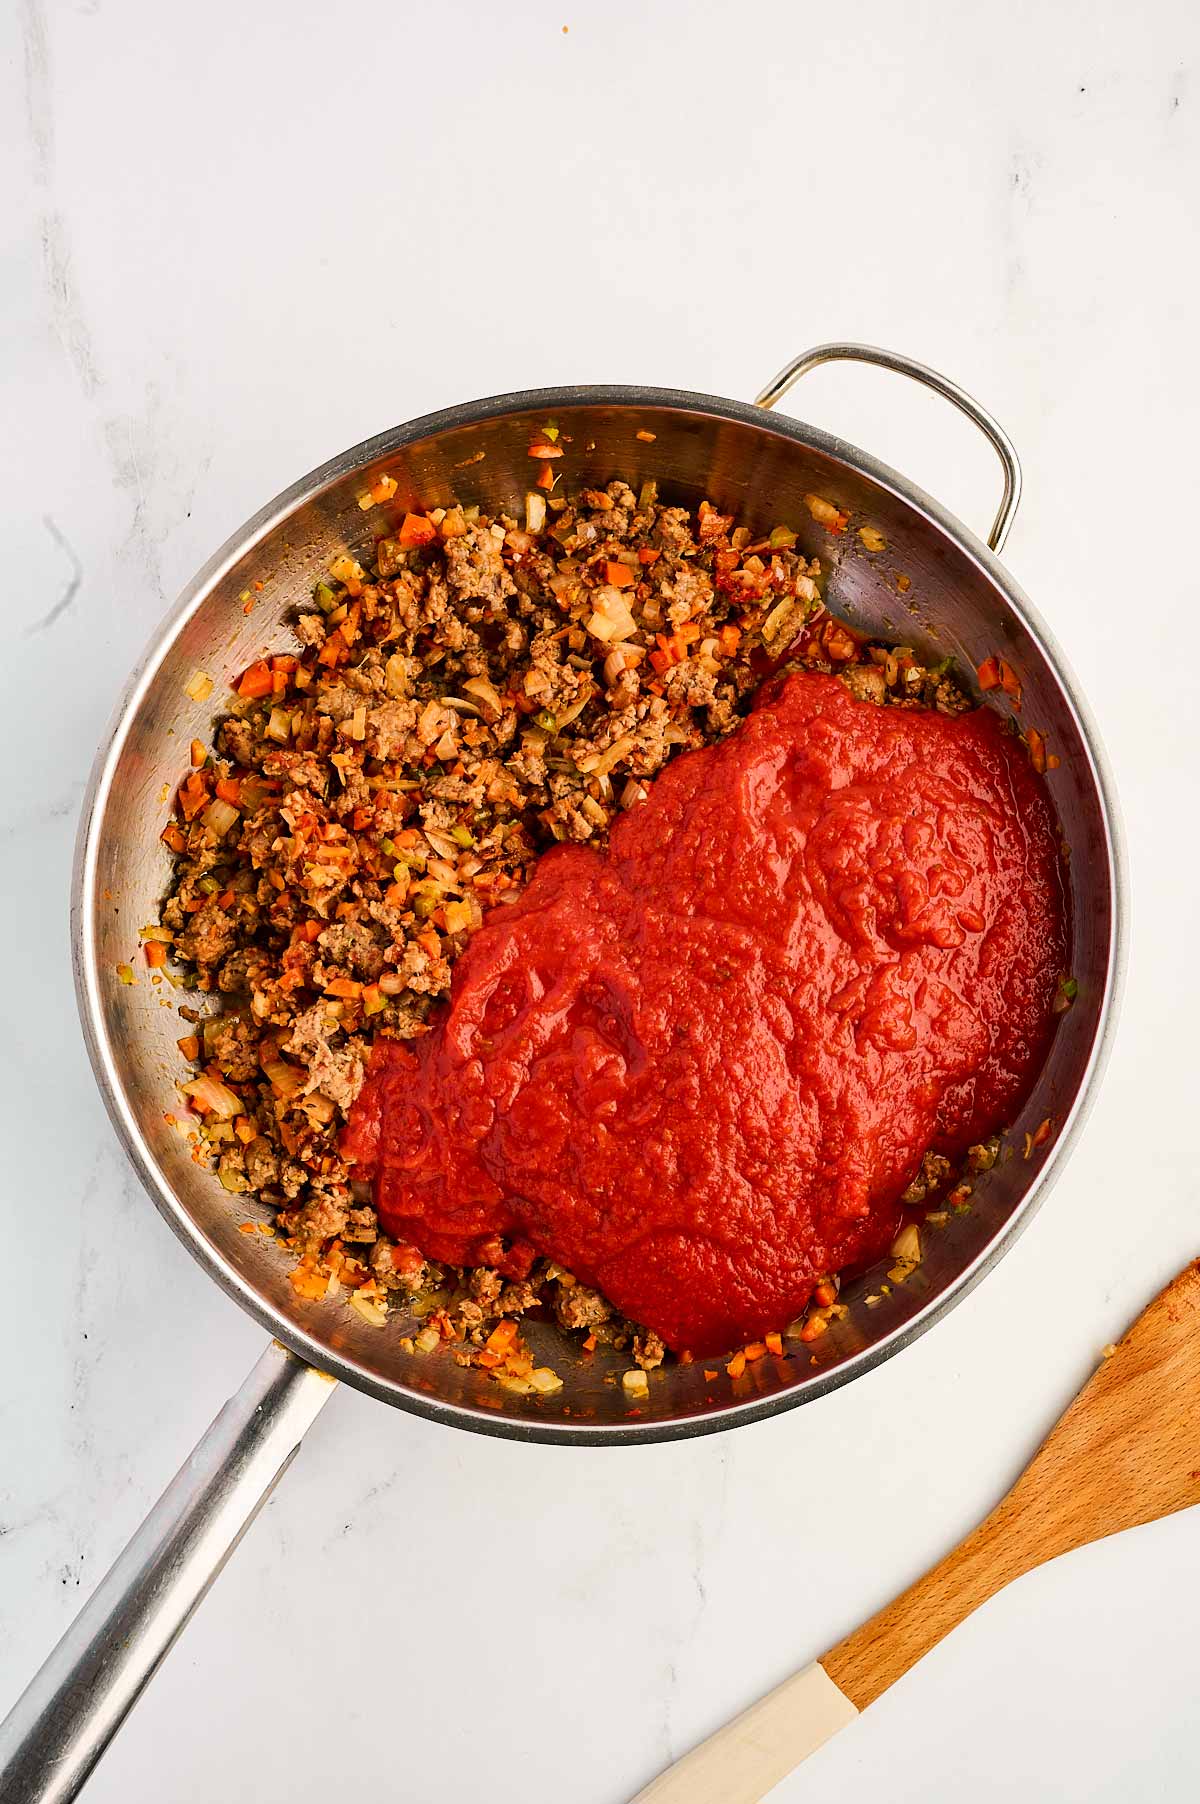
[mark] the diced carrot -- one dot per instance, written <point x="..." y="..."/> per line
<point x="1042" y="1133"/>
<point x="839" y="644"/>
<point x="503" y="1337"/>
<point x="429" y="942"/>
<point x="363" y="817"/>
<point x="396" y="893"/>
<point x="488" y="1360"/>
<point x="825" y="1294"/>
<point x="813" y="1328"/>
<point x="545" y="477"/>
<point x="754" y="1350"/>
<point x="709" y="1376"/>
<point x="198" y="754"/>
<point x="1037" y="749"/>
<point x="308" y="1283"/>
<point x="173" y="838"/>
<point x="687" y="632"/>
<point x="661" y="661"/>
<point x="225" y="899"/>
<point x="193" y="795"/>
<point x="189" y="1046"/>
<point x="245" y="1130"/>
<point x="279" y="682"/>
<point x="334" y="648"/>
<point x="373" y="998"/>
<point x="988" y="674"/>
<point x="255" y="681"/>
<point x="774" y="1344"/>
<point x="737" y="1365"/>
<point x="1010" y="682"/>
<point x="416" y="530"/>
<point x="247" y="1227"/>
<point x="230" y="790"/>
<point x="345" y="987"/>
<point x="649" y="554"/>
<point x="686" y="1357"/>
<point x="542" y="448"/>
<point x="285" y="661"/>
<point x="589" y="1345"/>
<point x="619" y="575"/>
<point x="730" y="639"/>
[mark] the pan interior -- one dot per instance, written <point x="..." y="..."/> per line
<point x="933" y="587"/>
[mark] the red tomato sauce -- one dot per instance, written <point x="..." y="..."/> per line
<point x="700" y="1068"/>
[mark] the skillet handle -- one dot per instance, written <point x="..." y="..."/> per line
<point x="60" y="1726"/>
<point x="942" y="385"/>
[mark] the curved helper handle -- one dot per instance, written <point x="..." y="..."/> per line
<point x="60" y="1726"/>
<point x="942" y="385"/>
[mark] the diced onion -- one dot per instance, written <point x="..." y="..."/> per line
<point x="429" y="725"/>
<point x="213" y="1098"/>
<point x="219" y="817"/>
<point x="619" y="749"/>
<point x="372" y="1312"/>
<point x="200" y="687"/>
<point x="907" y="1244"/>
<point x="776" y="621"/>
<point x="485" y="691"/>
<point x="824" y="511"/>
<point x="535" y="511"/>
<point x="284" y="1078"/>
<point x="443" y="844"/>
<point x="612" y="619"/>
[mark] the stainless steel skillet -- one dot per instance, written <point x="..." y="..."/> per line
<point x="935" y="586"/>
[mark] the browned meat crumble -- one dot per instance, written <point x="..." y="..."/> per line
<point x="483" y="691"/>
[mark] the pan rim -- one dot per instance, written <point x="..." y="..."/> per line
<point x="106" y="1064"/>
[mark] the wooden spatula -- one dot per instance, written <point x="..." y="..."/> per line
<point x="1126" y="1452"/>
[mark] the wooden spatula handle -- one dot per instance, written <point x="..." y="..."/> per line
<point x="1126" y="1452"/>
<point x="742" y="1761"/>
<point x="882" y="1650"/>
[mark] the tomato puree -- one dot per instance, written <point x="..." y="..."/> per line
<point x="698" y="1069"/>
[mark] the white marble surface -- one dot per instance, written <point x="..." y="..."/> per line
<point x="237" y="238"/>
